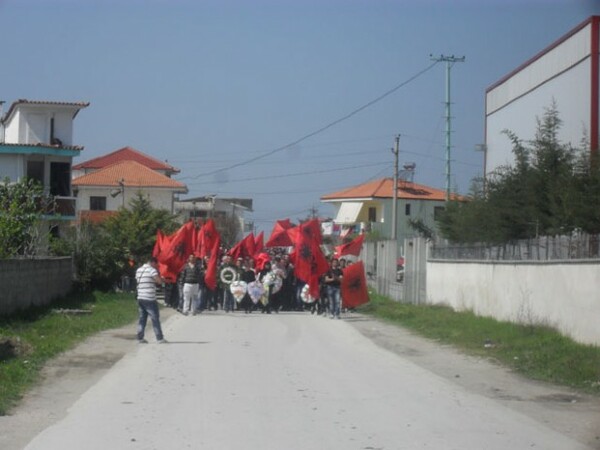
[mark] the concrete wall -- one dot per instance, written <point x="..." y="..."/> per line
<point x="27" y="282"/>
<point x="159" y="198"/>
<point x="565" y="294"/>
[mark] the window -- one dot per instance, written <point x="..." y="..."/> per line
<point x="407" y="209"/>
<point x="35" y="171"/>
<point x="97" y="203"/>
<point x="372" y="214"/>
<point x="437" y="212"/>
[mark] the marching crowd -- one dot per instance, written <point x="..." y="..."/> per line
<point x="249" y="285"/>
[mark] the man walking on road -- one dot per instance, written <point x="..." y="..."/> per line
<point x="147" y="278"/>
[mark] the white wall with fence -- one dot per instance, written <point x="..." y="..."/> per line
<point x="561" y="293"/>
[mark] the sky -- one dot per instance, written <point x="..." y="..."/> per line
<point x="279" y="101"/>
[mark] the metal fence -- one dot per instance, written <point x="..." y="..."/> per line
<point x="545" y="248"/>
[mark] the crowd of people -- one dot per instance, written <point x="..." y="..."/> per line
<point x="283" y="291"/>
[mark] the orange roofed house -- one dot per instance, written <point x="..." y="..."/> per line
<point x="107" y="183"/>
<point x="368" y="206"/>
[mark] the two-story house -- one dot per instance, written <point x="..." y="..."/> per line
<point x="369" y="207"/>
<point x="36" y="142"/>
<point x="109" y="182"/>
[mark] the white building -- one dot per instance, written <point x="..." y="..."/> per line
<point x="212" y="206"/>
<point x="36" y="142"/>
<point x="369" y="207"/>
<point x="567" y="73"/>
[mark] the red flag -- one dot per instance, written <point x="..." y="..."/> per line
<point x="210" y="277"/>
<point x="354" y="285"/>
<point x="279" y="236"/>
<point x="159" y="244"/>
<point x="259" y="243"/>
<point x="243" y="248"/>
<point x="249" y="245"/>
<point x="167" y="273"/>
<point x="351" y="248"/>
<point x="206" y="239"/>
<point x="260" y="260"/>
<point x="175" y="254"/>
<point x="311" y="230"/>
<point x="293" y="234"/>
<point x="309" y="261"/>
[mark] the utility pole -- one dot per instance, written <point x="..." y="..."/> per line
<point x="449" y="60"/>
<point x="395" y="151"/>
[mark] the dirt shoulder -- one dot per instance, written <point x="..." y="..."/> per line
<point x="574" y="414"/>
<point x="68" y="376"/>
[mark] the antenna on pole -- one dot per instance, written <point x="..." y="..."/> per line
<point x="449" y="60"/>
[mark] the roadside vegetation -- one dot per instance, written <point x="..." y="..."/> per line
<point x="29" y="339"/>
<point x="552" y="189"/>
<point x="535" y="351"/>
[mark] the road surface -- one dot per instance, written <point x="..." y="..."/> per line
<point x="292" y="381"/>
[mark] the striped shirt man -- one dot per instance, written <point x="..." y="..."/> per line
<point x="147" y="278"/>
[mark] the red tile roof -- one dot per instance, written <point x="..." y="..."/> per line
<point x="123" y="154"/>
<point x="132" y="173"/>
<point x="383" y="188"/>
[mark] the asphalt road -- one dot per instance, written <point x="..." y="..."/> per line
<point x="296" y="381"/>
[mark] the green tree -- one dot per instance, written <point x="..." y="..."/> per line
<point x="102" y="252"/>
<point x="133" y="230"/>
<point x="22" y="205"/>
<point x="552" y="189"/>
<point x="96" y="256"/>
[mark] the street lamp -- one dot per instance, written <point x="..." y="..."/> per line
<point x="121" y="191"/>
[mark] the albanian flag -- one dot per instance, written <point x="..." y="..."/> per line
<point x="161" y="240"/>
<point x="279" y="236"/>
<point x="210" y="278"/>
<point x="311" y="230"/>
<point x="354" y="286"/>
<point x="206" y="239"/>
<point x="243" y="248"/>
<point x="175" y="253"/>
<point x="309" y="261"/>
<point x="259" y="243"/>
<point x="351" y="248"/>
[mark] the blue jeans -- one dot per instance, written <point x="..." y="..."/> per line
<point x="335" y="300"/>
<point x="228" y="300"/>
<point x="148" y="308"/>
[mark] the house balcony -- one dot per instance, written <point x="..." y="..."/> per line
<point x="63" y="208"/>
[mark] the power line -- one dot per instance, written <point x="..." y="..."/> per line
<point x="323" y="128"/>
<point x="271" y="176"/>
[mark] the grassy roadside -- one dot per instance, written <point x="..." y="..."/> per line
<point x="538" y="352"/>
<point x="29" y="339"/>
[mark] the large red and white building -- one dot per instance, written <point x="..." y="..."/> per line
<point x="566" y="73"/>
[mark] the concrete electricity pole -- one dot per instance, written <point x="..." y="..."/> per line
<point x="395" y="151"/>
<point x="449" y="60"/>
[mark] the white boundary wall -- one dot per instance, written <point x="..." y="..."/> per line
<point x="564" y="295"/>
